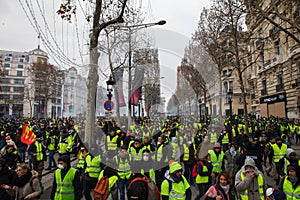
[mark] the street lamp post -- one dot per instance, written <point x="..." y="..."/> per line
<point x="109" y="88"/>
<point x="230" y="95"/>
<point x="200" y="113"/>
<point x="130" y="30"/>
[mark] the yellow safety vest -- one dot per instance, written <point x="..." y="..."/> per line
<point x="202" y="179"/>
<point x="225" y="139"/>
<point x="93" y="166"/>
<point x="65" y="188"/>
<point x="112" y="143"/>
<point x="291" y="193"/>
<point x="124" y="170"/>
<point x="278" y="153"/>
<point x="216" y="162"/>
<point x="39" y="151"/>
<point x="178" y="189"/>
<point x="213" y="137"/>
<point x="244" y="194"/>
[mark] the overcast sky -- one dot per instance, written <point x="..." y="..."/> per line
<point x="16" y="32"/>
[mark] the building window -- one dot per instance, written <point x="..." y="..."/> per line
<point x="277" y="47"/>
<point x="18" y="97"/>
<point x="18" y="89"/>
<point x="20" y="66"/>
<point x="280" y="79"/>
<point x="18" y="81"/>
<point x="225" y="86"/>
<point x="7" y="59"/>
<point x="6" y="65"/>
<point x="4" y="96"/>
<point x="264" y="85"/>
<point x="5" y="72"/>
<point x="262" y="57"/>
<point x="231" y="85"/>
<point x="19" y="73"/>
<point x="5" y="89"/>
<point x="21" y="59"/>
<point x="5" y="80"/>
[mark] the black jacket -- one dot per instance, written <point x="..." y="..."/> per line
<point x="6" y="177"/>
<point x="76" y="181"/>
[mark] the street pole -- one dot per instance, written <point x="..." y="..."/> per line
<point x="129" y="79"/>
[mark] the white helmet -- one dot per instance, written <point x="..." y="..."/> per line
<point x="269" y="191"/>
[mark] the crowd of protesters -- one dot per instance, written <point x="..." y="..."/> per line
<point x="220" y="159"/>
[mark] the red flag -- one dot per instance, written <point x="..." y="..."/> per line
<point x="27" y="137"/>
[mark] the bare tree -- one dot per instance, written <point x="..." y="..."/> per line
<point x="45" y="81"/>
<point x="283" y="15"/>
<point x="105" y="14"/>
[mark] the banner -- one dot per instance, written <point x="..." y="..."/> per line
<point x="27" y="137"/>
<point x="137" y="85"/>
<point x="119" y="79"/>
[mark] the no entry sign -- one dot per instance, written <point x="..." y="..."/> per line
<point x="108" y="105"/>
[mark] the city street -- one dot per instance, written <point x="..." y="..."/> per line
<point x="48" y="178"/>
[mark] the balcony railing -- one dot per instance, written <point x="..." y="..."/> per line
<point x="279" y="87"/>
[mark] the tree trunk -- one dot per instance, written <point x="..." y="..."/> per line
<point x="92" y="82"/>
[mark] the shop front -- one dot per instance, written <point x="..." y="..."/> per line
<point x="273" y="105"/>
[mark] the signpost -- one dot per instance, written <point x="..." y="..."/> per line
<point x="108" y="105"/>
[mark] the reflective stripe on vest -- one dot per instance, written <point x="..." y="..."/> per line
<point x="244" y="194"/>
<point x="124" y="170"/>
<point x="39" y="151"/>
<point x="93" y="166"/>
<point x="225" y="139"/>
<point x="186" y="152"/>
<point x="111" y="143"/>
<point x="216" y="162"/>
<point x="65" y="188"/>
<point x="279" y="153"/>
<point x="288" y="189"/>
<point x="80" y="160"/>
<point x="213" y="137"/>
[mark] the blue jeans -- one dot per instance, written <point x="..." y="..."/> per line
<point x="22" y="151"/>
<point x="122" y="183"/>
<point x="51" y="159"/>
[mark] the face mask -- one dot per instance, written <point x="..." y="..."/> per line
<point x="146" y="158"/>
<point x="158" y="143"/>
<point x="60" y="166"/>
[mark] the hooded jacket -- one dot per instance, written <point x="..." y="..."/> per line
<point x="247" y="183"/>
<point x="76" y="181"/>
<point x="6" y="177"/>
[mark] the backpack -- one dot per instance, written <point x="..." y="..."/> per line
<point x="101" y="190"/>
<point x="194" y="171"/>
<point x="41" y="186"/>
<point x="142" y="188"/>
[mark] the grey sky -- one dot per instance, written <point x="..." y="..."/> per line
<point x="16" y="33"/>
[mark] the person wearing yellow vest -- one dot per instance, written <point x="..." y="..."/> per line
<point x="112" y="143"/>
<point x="175" y="185"/>
<point x="277" y="152"/>
<point x="225" y="139"/>
<point x="63" y="143"/>
<point x="37" y="154"/>
<point x="188" y="158"/>
<point x="290" y="184"/>
<point x="203" y="178"/>
<point x="92" y="169"/>
<point x="113" y="177"/>
<point x="147" y="165"/>
<point x="52" y="145"/>
<point x="289" y="158"/>
<point x="122" y="161"/>
<point x="66" y="182"/>
<point x="216" y="157"/>
<point x="213" y="136"/>
<point x="250" y="182"/>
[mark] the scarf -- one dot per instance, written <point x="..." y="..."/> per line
<point x="176" y="178"/>
<point x="22" y="180"/>
<point x="232" y="152"/>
